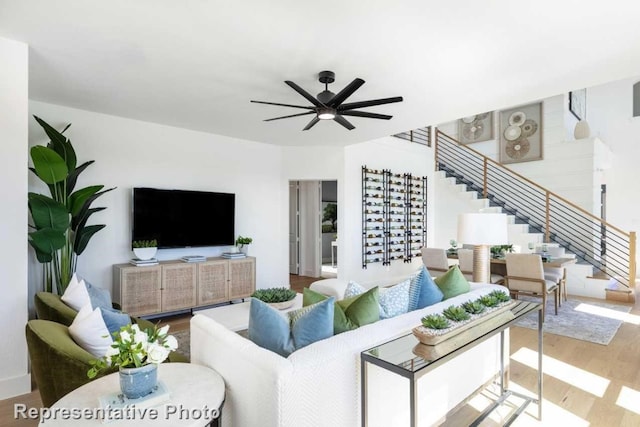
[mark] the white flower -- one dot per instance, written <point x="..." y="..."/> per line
<point x="171" y="342"/>
<point x="135" y="328"/>
<point x="163" y="331"/>
<point x="141" y="337"/>
<point x="157" y="353"/>
<point x="124" y="336"/>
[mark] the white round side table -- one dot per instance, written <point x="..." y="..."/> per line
<point x="196" y="397"/>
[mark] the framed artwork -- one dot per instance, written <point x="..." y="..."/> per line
<point x="476" y="128"/>
<point x="578" y="103"/>
<point x="521" y="134"/>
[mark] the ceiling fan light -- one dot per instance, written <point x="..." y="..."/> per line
<point x="326" y="114"/>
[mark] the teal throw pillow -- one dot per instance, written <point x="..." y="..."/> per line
<point x="283" y="335"/>
<point x="393" y="300"/>
<point x="423" y="291"/>
<point x="453" y="283"/>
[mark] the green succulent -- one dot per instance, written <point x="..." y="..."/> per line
<point x="271" y="295"/>
<point x="435" y="321"/>
<point x="473" y="307"/>
<point x="457" y="314"/>
<point x="501" y="296"/>
<point x="488" y="300"/>
<point x="145" y="243"/>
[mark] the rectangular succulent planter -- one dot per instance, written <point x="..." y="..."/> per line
<point x="488" y="319"/>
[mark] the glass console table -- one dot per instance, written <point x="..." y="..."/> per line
<point x="400" y="356"/>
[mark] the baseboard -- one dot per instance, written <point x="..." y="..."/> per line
<point x="11" y="387"/>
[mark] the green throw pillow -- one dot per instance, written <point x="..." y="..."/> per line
<point x="453" y="283"/>
<point x="349" y="313"/>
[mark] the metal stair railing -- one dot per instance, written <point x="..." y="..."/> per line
<point x="420" y="136"/>
<point x="593" y="240"/>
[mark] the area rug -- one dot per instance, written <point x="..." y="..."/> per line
<point x="184" y="342"/>
<point x="596" y="322"/>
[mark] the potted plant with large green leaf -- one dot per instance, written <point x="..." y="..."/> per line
<point x="59" y="231"/>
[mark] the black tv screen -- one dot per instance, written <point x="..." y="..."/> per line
<point x="178" y="218"/>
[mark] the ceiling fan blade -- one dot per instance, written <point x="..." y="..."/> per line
<point x="311" y="123"/>
<point x="365" y="114"/>
<point x="292" y="115"/>
<point x="282" y="105"/>
<point x="371" y="103"/>
<point x="344" y="122"/>
<point x="346" y="92"/>
<point x="304" y="93"/>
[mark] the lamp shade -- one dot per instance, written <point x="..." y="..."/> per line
<point x="482" y="229"/>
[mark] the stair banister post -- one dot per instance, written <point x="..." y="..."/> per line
<point x="436" y="148"/>
<point x="484" y="178"/>
<point x="547" y="210"/>
<point x="632" y="259"/>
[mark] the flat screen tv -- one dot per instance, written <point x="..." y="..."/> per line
<point x="179" y="218"/>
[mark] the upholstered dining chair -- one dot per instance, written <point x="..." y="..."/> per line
<point x="465" y="258"/>
<point x="557" y="274"/>
<point x="525" y="275"/>
<point x="435" y="259"/>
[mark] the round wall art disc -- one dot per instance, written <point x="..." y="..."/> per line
<point x="472" y="131"/>
<point x="529" y="127"/>
<point x="518" y="149"/>
<point x="512" y="133"/>
<point x="517" y="118"/>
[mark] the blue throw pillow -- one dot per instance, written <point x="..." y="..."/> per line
<point x="99" y="297"/>
<point x="423" y="291"/>
<point x="114" y="319"/>
<point x="283" y="335"/>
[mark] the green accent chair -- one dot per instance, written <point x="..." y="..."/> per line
<point x="58" y="364"/>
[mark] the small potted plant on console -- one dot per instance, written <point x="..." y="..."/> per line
<point x="243" y="244"/>
<point x="145" y="249"/>
<point x="279" y="298"/>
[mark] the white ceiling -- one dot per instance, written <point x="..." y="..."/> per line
<point x="197" y="63"/>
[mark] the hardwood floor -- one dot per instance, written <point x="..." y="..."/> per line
<point x="298" y="283"/>
<point x="585" y="384"/>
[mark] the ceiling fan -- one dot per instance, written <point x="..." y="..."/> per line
<point x="329" y="106"/>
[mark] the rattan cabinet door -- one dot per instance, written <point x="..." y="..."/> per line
<point x="178" y="286"/>
<point x="213" y="282"/>
<point x="139" y="291"/>
<point x="242" y="278"/>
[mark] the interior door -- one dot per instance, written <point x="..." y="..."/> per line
<point x="294" y="228"/>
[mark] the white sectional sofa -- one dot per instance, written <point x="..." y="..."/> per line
<point x="319" y="385"/>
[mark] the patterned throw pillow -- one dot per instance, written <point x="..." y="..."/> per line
<point x="283" y="335"/>
<point x="453" y="283"/>
<point x="393" y="300"/>
<point x="423" y="291"/>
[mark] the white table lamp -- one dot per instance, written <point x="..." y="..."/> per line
<point x="482" y="230"/>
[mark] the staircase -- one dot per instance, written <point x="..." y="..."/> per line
<point x="581" y="279"/>
<point x="605" y="253"/>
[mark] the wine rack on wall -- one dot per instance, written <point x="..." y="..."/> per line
<point x="394" y="216"/>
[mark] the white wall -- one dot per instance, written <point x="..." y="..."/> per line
<point x="394" y="154"/>
<point x="610" y="117"/>
<point x="14" y="91"/>
<point x="130" y="153"/>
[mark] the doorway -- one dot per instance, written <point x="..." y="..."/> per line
<point x="313" y="222"/>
